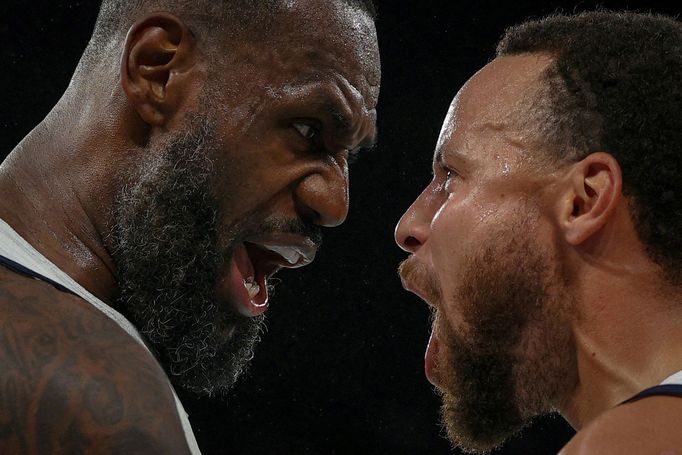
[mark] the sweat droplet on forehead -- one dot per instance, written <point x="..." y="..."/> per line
<point x="488" y="118"/>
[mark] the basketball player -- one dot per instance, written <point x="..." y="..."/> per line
<point x="549" y="242"/>
<point x="199" y="148"/>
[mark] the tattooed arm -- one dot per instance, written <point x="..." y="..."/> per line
<point x="72" y="381"/>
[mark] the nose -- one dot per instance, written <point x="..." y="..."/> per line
<point x="323" y="196"/>
<point x="413" y="228"/>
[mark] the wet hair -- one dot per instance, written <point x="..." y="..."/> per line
<point x="615" y="85"/>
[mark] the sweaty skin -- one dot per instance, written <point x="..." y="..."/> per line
<point x="498" y="223"/>
<point x="288" y="114"/>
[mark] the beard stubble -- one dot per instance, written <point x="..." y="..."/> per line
<point x="512" y="359"/>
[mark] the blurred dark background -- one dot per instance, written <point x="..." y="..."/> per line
<point x="340" y="368"/>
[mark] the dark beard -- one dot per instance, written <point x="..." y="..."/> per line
<point x="515" y="360"/>
<point x="166" y="248"/>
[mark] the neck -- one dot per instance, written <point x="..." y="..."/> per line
<point x="628" y="339"/>
<point x="58" y="194"/>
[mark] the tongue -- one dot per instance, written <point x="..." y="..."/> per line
<point x="430" y="358"/>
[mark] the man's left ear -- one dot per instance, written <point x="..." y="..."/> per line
<point x="593" y="193"/>
<point x="156" y="65"/>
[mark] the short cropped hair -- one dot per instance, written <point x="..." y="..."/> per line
<point x="616" y="83"/>
<point x="231" y="17"/>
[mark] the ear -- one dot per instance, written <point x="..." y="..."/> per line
<point x="158" y="54"/>
<point x="592" y="194"/>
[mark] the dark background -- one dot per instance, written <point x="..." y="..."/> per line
<point x="340" y="368"/>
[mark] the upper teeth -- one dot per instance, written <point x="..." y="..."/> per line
<point x="251" y="287"/>
<point x="291" y="255"/>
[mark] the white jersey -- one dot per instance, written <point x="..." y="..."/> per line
<point x="673" y="379"/>
<point x="15" y="248"/>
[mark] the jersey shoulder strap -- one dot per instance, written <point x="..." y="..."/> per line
<point x="670" y="390"/>
<point x="23" y="270"/>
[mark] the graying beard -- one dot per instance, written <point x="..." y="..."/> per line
<point x="165" y="247"/>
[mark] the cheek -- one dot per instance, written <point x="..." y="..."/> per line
<point x="459" y="232"/>
<point x="246" y="173"/>
<point x="450" y="238"/>
<point x="451" y="234"/>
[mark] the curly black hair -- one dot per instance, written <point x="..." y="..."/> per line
<point x="617" y="87"/>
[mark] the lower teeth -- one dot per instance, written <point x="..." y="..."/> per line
<point x="252" y="288"/>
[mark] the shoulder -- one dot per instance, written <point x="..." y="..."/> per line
<point x="650" y="425"/>
<point x="71" y="380"/>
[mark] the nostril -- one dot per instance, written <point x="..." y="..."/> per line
<point x="307" y="213"/>
<point x="411" y="243"/>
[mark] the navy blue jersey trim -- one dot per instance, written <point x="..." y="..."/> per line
<point x="670" y="390"/>
<point x="23" y="270"/>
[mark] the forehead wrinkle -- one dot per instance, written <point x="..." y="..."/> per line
<point x="496" y="126"/>
<point x="508" y="132"/>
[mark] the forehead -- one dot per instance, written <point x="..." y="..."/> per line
<point x="309" y="39"/>
<point x="494" y="103"/>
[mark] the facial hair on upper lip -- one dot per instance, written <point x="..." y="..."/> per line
<point x="419" y="276"/>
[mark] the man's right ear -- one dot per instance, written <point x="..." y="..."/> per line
<point x="592" y="194"/>
<point x="157" y="56"/>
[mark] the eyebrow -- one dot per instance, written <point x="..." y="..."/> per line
<point x="343" y="123"/>
<point x="341" y="120"/>
<point x="370" y="142"/>
<point x="461" y="160"/>
<point x="439" y="157"/>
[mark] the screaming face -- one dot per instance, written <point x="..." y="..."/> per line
<point x="241" y="190"/>
<point x="506" y="362"/>
<point x="484" y="257"/>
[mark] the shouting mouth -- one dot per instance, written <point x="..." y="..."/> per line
<point x="433" y="346"/>
<point x="257" y="259"/>
<point x="417" y="279"/>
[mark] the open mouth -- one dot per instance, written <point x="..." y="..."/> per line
<point x="259" y="258"/>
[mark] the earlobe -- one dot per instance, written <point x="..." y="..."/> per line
<point x="157" y="48"/>
<point x="593" y="193"/>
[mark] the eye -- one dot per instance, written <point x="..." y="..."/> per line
<point x="451" y="177"/>
<point x="305" y="130"/>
